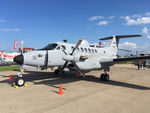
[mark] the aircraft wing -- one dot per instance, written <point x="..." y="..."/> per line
<point x="119" y="60"/>
<point x="107" y="62"/>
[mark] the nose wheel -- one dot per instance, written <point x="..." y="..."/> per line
<point x="20" y="81"/>
<point x="104" y="77"/>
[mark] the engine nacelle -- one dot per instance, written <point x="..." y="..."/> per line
<point x="89" y="65"/>
<point x="76" y="58"/>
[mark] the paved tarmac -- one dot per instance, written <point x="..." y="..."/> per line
<point x="128" y="91"/>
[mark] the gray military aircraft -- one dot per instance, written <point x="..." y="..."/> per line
<point x="80" y="57"/>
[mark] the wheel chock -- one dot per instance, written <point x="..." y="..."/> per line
<point x="16" y="86"/>
<point x="25" y="85"/>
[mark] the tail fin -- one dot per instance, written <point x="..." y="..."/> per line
<point x="115" y="41"/>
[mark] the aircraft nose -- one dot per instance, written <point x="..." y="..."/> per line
<point x="19" y="59"/>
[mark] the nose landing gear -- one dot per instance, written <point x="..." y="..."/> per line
<point x="20" y="81"/>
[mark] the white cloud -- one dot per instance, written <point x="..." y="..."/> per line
<point x="7" y="29"/>
<point x="102" y="23"/>
<point x="111" y="17"/>
<point x="1" y="20"/>
<point x="147" y="14"/>
<point x="137" y="19"/>
<point x="146" y="32"/>
<point x="95" y="18"/>
<point x="128" y="45"/>
<point x="136" y="15"/>
<point x="148" y="36"/>
<point x="144" y="48"/>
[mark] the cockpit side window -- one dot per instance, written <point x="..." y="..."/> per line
<point x="50" y="46"/>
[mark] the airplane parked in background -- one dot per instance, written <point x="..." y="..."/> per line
<point x="80" y="57"/>
<point x="8" y="56"/>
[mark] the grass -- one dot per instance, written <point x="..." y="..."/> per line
<point x="9" y="68"/>
<point x="127" y="63"/>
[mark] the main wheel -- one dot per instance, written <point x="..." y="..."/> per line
<point x="104" y="77"/>
<point x="56" y="72"/>
<point x="20" y="81"/>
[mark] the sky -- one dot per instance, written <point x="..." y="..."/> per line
<point x="40" y="22"/>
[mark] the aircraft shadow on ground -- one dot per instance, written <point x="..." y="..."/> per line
<point x="48" y="78"/>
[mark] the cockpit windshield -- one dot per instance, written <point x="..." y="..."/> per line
<point x="50" y="47"/>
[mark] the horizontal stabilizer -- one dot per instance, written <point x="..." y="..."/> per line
<point x="120" y="36"/>
<point x="125" y="50"/>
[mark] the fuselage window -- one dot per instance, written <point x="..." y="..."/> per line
<point x="85" y="49"/>
<point x="82" y="49"/>
<point x="92" y="51"/>
<point x="89" y="50"/>
<point x="72" y="48"/>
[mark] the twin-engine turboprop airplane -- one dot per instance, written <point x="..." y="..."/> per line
<point x="80" y="57"/>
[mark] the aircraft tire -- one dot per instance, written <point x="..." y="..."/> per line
<point x="56" y="72"/>
<point x="102" y="77"/>
<point x="106" y="78"/>
<point x="20" y="81"/>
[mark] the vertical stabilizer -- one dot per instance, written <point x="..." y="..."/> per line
<point x="115" y="41"/>
<point x="114" y="45"/>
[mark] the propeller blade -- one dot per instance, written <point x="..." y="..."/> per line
<point x="79" y="42"/>
<point x="64" y="66"/>
<point x="62" y="48"/>
<point x="22" y="47"/>
<point x="46" y="61"/>
<point x="78" y="69"/>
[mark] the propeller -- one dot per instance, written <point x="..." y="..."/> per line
<point x="77" y="45"/>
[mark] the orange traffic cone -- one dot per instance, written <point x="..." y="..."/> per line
<point x="77" y="75"/>
<point x="60" y="90"/>
<point x="10" y="78"/>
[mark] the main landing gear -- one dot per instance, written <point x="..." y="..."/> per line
<point x="105" y="76"/>
<point x="57" y="72"/>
